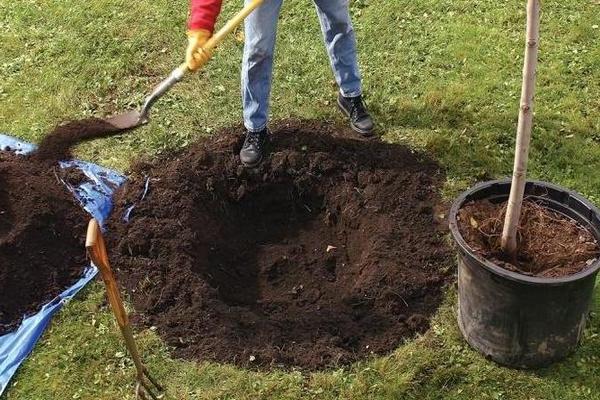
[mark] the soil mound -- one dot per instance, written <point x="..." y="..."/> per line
<point x="41" y="237"/>
<point x="42" y="227"/>
<point x="326" y="253"/>
<point x="549" y="243"/>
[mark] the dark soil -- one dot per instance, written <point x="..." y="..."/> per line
<point x="42" y="228"/>
<point x="57" y="144"/>
<point x="73" y="176"/>
<point x="325" y="254"/>
<point x="550" y="244"/>
<point x="41" y="237"/>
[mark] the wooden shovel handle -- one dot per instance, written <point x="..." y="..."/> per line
<point x="94" y="243"/>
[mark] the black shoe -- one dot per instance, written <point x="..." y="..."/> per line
<point x="360" y="120"/>
<point x="254" y="148"/>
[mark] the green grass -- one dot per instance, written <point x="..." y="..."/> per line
<point x="443" y="76"/>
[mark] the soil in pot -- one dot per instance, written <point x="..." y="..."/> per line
<point x="325" y="254"/>
<point x="42" y="227"/>
<point x="550" y="244"/>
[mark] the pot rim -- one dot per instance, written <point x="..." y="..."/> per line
<point x="496" y="269"/>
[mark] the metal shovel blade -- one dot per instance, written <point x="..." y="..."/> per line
<point x="133" y="119"/>
<point x="126" y="121"/>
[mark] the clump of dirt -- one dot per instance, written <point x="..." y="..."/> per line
<point x="73" y="176"/>
<point x="550" y="244"/>
<point x="41" y="237"/>
<point x="325" y="254"/>
<point x="57" y="144"/>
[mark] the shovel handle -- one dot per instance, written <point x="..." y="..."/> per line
<point x="229" y="27"/>
<point x="94" y="243"/>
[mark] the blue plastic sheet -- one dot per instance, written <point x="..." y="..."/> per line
<point x="95" y="196"/>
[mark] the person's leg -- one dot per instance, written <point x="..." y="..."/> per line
<point x="257" y="72"/>
<point x="260" y="31"/>
<point x="338" y="33"/>
<point x="340" y="40"/>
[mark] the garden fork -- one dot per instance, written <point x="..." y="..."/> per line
<point x="94" y="243"/>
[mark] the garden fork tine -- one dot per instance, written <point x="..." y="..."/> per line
<point x="94" y="243"/>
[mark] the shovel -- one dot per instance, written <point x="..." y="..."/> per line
<point x="145" y="386"/>
<point x="134" y="119"/>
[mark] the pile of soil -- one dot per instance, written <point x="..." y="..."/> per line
<point x="42" y="227"/>
<point x="42" y="231"/>
<point x="325" y="254"/>
<point x="550" y="244"/>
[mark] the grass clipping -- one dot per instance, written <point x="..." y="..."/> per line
<point x="549" y="243"/>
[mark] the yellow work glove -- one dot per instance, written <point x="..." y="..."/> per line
<point x="195" y="56"/>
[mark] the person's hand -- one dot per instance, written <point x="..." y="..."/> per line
<point x="195" y="56"/>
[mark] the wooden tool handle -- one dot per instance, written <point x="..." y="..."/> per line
<point x="96" y="248"/>
<point x="236" y="20"/>
<point x="94" y="243"/>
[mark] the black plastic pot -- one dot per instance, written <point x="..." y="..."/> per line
<point x="517" y="320"/>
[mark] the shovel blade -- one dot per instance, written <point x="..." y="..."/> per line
<point x="126" y="121"/>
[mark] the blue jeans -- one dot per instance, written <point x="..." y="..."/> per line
<point x="257" y="67"/>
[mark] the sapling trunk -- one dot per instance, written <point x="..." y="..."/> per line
<point x="517" y="190"/>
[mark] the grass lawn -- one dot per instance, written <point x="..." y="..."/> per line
<point x="440" y="75"/>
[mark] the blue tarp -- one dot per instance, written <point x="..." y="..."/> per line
<point x="95" y="196"/>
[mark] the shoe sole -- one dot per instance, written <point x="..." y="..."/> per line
<point x="363" y="132"/>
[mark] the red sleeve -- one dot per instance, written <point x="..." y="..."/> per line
<point x="203" y="14"/>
